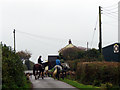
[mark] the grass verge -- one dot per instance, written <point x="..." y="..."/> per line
<point x="28" y="84"/>
<point x="79" y="85"/>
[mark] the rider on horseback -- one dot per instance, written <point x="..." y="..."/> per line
<point x="58" y="64"/>
<point x="39" y="60"/>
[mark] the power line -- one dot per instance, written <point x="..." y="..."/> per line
<point x="114" y="15"/>
<point x="110" y="10"/>
<point x="96" y="23"/>
<point x="93" y="38"/>
<point x="109" y="16"/>
<point x="111" y="6"/>
<point x="44" y="37"/>
<point x="41" y="41"/>
<point x="115" y="18"/>
<point x="115" y="12"/>
<point x="111" y="13"/>
<point x="94" y="31"/>
<point x="40" y="36"/>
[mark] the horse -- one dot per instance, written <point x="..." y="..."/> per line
<point x="38" y="68"/>
<point x="65" y="68"/>
<point x="58" y="73"/>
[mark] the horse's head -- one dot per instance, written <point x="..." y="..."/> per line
<point x="49" y="64"/>
<point x="65" y="66"/>
<point x="46" y="64"/>
<point x="43" y="68"/>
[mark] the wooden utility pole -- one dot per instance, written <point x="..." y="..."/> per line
<point x="14" y="39"/>
<point x="100" y="31"/>
<point x="87" y="46"/>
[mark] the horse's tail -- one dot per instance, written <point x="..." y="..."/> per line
<point x="34" y="70"/>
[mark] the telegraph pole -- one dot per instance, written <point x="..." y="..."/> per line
<point x="87" y="46"/>
<point x="14" y="39"/>
<point x="100" y="31"/>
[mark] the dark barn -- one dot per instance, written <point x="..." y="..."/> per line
<point x="52" y="60"/>
<point x="112" y="52"/>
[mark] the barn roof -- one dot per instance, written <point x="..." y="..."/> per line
<point x="111" y="45"/>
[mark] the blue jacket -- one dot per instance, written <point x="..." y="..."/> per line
<point x="58" y="62"/>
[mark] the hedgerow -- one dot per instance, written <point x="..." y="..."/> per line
<point x="12" y="69"/>
<point x="97" y="73"/>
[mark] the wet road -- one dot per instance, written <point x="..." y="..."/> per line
<point x="50" y="83"/>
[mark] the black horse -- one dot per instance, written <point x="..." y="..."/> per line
<point x="38" y="68"/>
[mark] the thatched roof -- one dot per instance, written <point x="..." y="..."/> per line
<point x="70" y="45"/>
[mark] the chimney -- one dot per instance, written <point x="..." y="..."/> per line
<point x="70" y="41"/>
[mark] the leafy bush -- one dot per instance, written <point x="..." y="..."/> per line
<point x="12" y="69"/>
<point x="109" y="85"/>
<point x="75" y="53"/>
<point x="28" y="65"/>
<point x="96" y="83"/>
<point x="98" y="72"/>
<point x="25" y="56"/>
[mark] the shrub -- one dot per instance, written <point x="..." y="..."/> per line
<point x="76" y="53"/>
<point x="70" y="53"/>
<point x="12" y="69"/>
<point x="98" y="72"/>
<point x="97" y="83"/>
<point x="108" y="85"/>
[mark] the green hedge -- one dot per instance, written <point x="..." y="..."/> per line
<point x="97" y="73"/>
<point x="12" y="69"/>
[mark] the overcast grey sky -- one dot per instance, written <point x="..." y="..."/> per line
<point x="51" y="23"/>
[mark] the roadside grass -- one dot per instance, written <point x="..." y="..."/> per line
<point x="28" y="84"/>
<point x="79" y="85"/>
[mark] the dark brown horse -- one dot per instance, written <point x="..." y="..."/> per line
<point x="39" y="68"/>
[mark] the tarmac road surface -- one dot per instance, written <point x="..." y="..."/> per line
<point x="50" y="83"/>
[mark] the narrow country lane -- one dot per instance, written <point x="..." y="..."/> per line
<point x="49" y="83"/>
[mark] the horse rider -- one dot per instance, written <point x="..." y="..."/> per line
<point x="58" y="64"/>
<point x="39" y="60"/>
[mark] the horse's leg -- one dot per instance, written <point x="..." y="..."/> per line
<point x="35" y="75"/>
<point x="42" y="74"/>
<point x="39" y="74"/>
<point x="63" y="75"/>
<point x="53" y="75"/>
<point x="58" y="75"/>
<point x="34" y="70"/>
